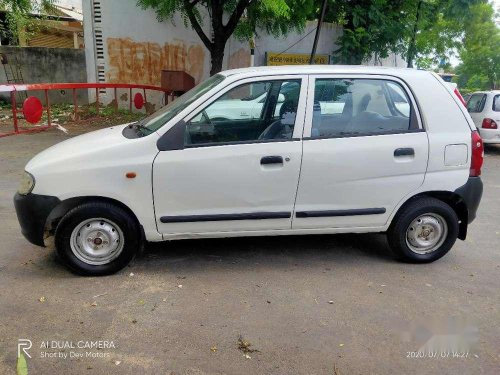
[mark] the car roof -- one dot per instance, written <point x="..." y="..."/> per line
<point x="494" y="92"/>
<point x="323" y="69"/>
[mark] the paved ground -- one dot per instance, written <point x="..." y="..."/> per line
<point x="274" y="292"/>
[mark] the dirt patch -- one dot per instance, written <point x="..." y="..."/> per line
<point x="86" y="118"/>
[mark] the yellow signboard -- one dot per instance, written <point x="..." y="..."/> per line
<point x="273" y="58"/>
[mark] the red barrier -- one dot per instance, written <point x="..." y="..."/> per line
<point x="33" y="108"/>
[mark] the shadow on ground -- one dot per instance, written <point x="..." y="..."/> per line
<point x="491" y="150"/>
<point x="340" y="248"/>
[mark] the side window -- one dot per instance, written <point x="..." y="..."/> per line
<point x="250" y="112"/>
<point x="496" y="103"/>
<point x="476" y="103"/>
<point x="399" y="98"/>
<point x="357" y="107"/>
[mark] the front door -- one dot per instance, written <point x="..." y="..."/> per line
<point x="239" y="166"/>
<point x="364" y="151"/>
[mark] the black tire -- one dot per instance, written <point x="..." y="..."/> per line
<point x="116" y="215"/>
<point x="397" y="233"/>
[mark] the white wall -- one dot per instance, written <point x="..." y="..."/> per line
<point x="392" y="60"/>
<point x="299" y="43"/>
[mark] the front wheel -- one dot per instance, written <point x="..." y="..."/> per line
<point x="97" y="238"/>
<point x="424" y="231"/>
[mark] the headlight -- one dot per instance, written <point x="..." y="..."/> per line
<point x="27" y="184"/>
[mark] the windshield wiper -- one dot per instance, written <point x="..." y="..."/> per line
<point x="144" y="130"/>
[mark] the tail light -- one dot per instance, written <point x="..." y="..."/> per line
<point x="477" y="155"/>
<point x="489" y="124"/>
<point x="460" y="97"/>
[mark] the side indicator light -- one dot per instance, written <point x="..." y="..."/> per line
<point x="130" y="174"/>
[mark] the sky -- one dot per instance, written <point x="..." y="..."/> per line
<point x="72" y="3"/>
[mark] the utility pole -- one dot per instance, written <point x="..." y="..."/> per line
<point x="318" y="30"/>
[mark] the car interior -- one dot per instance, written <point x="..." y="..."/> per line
<point x="342" y="107"/>
<point x="275" y="119"/>
<point x="358" y="107"/>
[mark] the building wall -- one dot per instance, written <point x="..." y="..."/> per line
<point x="296" y="42"/>
<point x="51" y="40"/>
<point x="46" y="65"/>
<point x="128" y="45"/>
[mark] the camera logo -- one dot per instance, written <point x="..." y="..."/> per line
<point x="24" y="345"/>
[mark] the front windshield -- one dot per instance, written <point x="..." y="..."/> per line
<point x="156" y="120"/>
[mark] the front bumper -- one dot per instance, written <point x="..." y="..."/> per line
<point x="471" y="194"/>
<point x="32" y="212"/>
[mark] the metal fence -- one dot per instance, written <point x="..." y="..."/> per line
<point x="32" y="108"/>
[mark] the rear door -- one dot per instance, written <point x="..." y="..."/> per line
<point x="364" y="151"/>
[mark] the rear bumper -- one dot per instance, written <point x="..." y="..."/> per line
<point x="32" y="212"/>
<point x="490" y="136"/>
<point x="471" y="194"/>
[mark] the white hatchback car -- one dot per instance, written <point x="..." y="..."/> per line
<point x="484" y="108"/>
<point x="351" y="149"/>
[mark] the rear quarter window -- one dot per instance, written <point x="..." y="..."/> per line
<point x="476" y="103"/>
<point x="496" y="103"/>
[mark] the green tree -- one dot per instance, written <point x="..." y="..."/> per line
<point x="480" y="50"/>
<point x="18" y="15"/>
<point x="437" y="30"/>
<point x="239" y="17"/>
<point x="423" y="31"/>
<point x="370" y="28"/>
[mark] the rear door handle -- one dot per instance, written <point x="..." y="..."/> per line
<point x="271" y="160"/>
<point x="404" y="152"/>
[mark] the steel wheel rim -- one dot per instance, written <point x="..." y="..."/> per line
<point x="426" y="233"/>
<point x="97" y="241"/>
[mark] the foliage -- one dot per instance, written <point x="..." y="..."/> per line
<point x="480" y="50"/>
<point x="439" y="30"/>
<point x="239" y="17"/>
<point x="370" y="27"/>
<point x="425" y="31"/>
<point x="18" y="16"/>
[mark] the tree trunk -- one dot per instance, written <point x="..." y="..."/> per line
<point x="216" y="58"/>
<point x="355" y="59"/>
<point x="412" y="49"/>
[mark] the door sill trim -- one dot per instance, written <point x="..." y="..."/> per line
<point x="226" y="217"/>
<point x="330" y="213"/>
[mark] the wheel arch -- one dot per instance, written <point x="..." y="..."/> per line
<point x="452" y="199"/>
<point x="68" y="204"/>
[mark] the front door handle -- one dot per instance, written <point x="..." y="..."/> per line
<point x="404" y="152"/>
<point x="271" y="160"/>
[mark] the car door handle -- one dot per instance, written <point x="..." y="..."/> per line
<point x="404" y="152"/>
<point x="271" y="160"/>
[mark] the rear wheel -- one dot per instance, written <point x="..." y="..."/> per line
<point x="97" y="239"/>
<point x="424" y="231"/>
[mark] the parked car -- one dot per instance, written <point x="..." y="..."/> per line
<point x="484" y="108"/>
<point x="351" y="149"/>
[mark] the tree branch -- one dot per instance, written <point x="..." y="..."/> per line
<point x="235" y="17"/>
<point x="196" y="25"/>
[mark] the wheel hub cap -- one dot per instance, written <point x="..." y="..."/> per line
<point x="426" y="233"/>
<point x="97" y="241"/>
